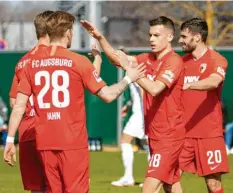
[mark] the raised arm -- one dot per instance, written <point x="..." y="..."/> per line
<point x="110" y="52"/>
<point x="96" y="54"/>
<point x="110" y="93"/>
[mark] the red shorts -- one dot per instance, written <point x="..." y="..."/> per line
<point x="31" y="167"/>
<point x="204" y="156"/>
<point x="66" y="171"/>
<point x="164" y="161"/>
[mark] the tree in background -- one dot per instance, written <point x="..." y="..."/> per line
<point x="218" y="15"/>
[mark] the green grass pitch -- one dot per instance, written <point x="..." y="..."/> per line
<point x="106" y="167"/>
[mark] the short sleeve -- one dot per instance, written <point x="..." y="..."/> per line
<point x="142" y="58"/>
<point x="170" y="71"/>
<point x="220" y="67"/>
<point x="14" y="85"/>
<point x="25" y="82"/>
<point x="91" y="79"/>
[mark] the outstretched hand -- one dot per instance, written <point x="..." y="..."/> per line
<point x="91" y="29"/>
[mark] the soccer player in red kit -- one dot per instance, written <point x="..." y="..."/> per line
<point x="30" y="164"/>
<point x="163" y="110"/>
<point x="57" y="77"/>
<point x="204" y="148"/>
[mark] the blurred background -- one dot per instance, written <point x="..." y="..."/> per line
<point x="125" y="24"/>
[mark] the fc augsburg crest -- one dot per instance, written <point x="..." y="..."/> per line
<point x="203" y="67"/>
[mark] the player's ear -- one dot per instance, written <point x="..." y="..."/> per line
<point x="69" y="34"/>
<point x="197" y="37"/>
<point x="170" y="37"/>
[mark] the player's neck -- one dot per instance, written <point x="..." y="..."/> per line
<point x="44" y="41"/>
<point x="199" y="51"/>
<point x="161" y="54"/>
<point x="59" y="43"/>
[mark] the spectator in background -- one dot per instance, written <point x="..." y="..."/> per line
<point x="228" y="137"/>
<point x="3" y="120"/>
<point x="228" y="130"/>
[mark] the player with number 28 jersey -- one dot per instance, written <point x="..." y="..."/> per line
<point x="57" y="84"/>
<point x="56" y="78"/>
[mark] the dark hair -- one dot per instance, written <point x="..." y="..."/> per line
<point x="58" y="23"/>
<point x="40" y="23"/>
<point x="196" y="25"/>
<point x="165" y="21"/>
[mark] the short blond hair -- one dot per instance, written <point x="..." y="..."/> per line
<point x="40" y="23"/>
<point x="58" y="23"/>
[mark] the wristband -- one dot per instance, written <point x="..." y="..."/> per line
<point x="10" y="139"/>
<point x="127" y="79"/>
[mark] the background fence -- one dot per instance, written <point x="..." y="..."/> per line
<point x="102" y="118"/>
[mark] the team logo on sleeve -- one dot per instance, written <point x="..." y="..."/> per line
<point x="221" y="71"/>
<point x="97" y="77"/>
<point x="203" y="67"/>
<point x="168" y="75"/>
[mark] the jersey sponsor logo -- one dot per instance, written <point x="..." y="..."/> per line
<point x="203" y="67"/>
<point x="214" y="167"/>
<point x="188" y="79"/>
<point x="97" y="77"/>
<point x="150" y="77"/>
<point x="168" y="75"/>
<point x="221" y="71"/>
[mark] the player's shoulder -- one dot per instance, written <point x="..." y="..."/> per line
<point x="145" y="56"/>
<point x="174" y="58"/>
<point x="23" y="61"/>
<point x="78" y="59"/>
<point x="187" y="58"/>
<point x="216" y="56"/>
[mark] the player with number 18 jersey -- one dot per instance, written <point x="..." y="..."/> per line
<point x="164" y="121"/>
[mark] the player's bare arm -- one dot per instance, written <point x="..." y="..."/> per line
<point x="111" y="53"/>
<point x="152" y="87"/>
<point x="15" y="119"/>
<point x="96" y="54"/>
<point x="110" y="93"/>
<point x="210" y="83"/>
<point x="12" y="102"/>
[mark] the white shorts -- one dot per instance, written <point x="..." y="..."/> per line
<point x="135" y="126"/>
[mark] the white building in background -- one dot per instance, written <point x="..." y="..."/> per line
<point x="17" y="28"/>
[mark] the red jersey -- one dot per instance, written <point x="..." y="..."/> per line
<point x="203" y="108"/>
<point x="57" y="83"/>
<point x="27" y="125"/>
<point x="164" y="113"/>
